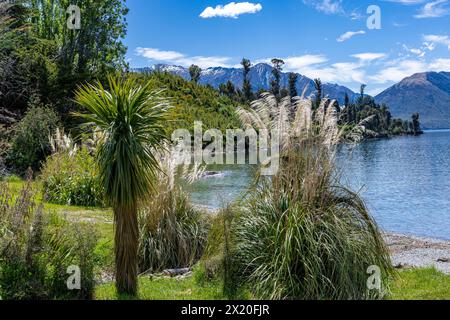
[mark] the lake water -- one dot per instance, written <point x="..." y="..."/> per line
<point x="405" y="182"/>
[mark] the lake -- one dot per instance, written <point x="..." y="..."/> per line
<point x="405" y="182"/>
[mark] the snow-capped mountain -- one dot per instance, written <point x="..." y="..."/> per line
<point x="260" y="77"/>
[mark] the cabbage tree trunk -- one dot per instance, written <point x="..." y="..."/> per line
<point x="126" y="249"/>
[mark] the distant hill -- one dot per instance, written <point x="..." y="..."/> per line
<point x="260" y="78"/>
<point x="426" y="93"/>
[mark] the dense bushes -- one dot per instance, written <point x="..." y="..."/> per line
<point x="36" y="249"/>
<point x="30" y="144"/>
<point x="71" y="178"/>
<point x="192" y="102"/>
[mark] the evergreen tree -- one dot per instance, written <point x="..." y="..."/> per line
<point x="195" y="73"/>
<point x="228" y="89"/>
<point x="275" y="85"/>
<point x="319" y="92"/>
<point x="346" y="100"/>
<point x="293" y="84"/>
<point x="363" y="88"/>
<point x="416" y="124"/>
<point x="246" y="87"/>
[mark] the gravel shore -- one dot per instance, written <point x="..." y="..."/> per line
<point x="409" y="251"/>
<point x="416" y="252"/>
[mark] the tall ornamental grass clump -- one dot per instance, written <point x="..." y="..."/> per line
<point x="36" y="249"/>
<point x="70" y="176"/>
<point x="300" y="234"/>
<point x="172" y="232"/>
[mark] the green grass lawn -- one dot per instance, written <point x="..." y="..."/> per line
<point x="418" y="284"/>
<point x="166" y="289"/>
<point x="421" y="284"/>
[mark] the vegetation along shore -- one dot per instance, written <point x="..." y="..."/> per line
<point x="94" y="200"/>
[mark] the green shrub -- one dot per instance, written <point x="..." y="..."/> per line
<point x="36" y="249"/>
<point x="30" y="144"/>
<point x="213" y="261"/>
<point x="71" y="178"/>
<point x="172" y="232"/>
<point x="301" y="235"/>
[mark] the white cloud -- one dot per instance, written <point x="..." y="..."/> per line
<point x="173" y="57"/>
<point x="368" y="56"/>
<point x="326" y="6"/>
<point x="430" y="46"/>
<point x="440" y="64"/>
<point x="397" y="70"/>
<point x="348" y="35"/>
<point x="299" y="62"/>
<point x="434" y="9"/>
<point x="432" y="39"/>
<point x="420" y="52"/>
<point x="156" y="54"/>
<point x="315" y="66"/>
<point x="407" y="2"/>
<point x="231" y="10"/>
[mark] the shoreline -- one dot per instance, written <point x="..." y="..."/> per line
<point x="409" y="251"/>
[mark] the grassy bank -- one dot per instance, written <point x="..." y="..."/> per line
<point x="421" y="284"/>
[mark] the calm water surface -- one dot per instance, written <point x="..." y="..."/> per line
<point x="405" y="182"/>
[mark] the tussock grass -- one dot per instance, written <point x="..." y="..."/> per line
<point x="300" y="234"/>
<point x="172" y="232"/>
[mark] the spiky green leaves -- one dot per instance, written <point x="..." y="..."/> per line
<point x="131" y="118"/>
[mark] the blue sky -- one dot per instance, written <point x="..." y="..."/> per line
<point x="318" y="38"/>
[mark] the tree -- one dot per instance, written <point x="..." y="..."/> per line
<point x="27" y="63"/>
<point x="90" y="52"/>
<point x="49" y="60"/>
<point x="293" y="84"/>
<point x="131" y="120"/>
<point x="195" y="72"/>
<point x="416" y="124"/>
<point x="362" y="89"/>
<point x="228" y="89"/>
<point x="276" y="74"/>
<point x="361" y="96"/>
<point x="319" y="92"/>
<point x="346" y="100"/>
<point x="246" y="87"/>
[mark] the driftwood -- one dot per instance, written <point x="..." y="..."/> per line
<point x="176" y="272"/>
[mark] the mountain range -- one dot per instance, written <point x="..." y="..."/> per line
<point x="260" y="77"/>
<point x="426" y="93"/>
